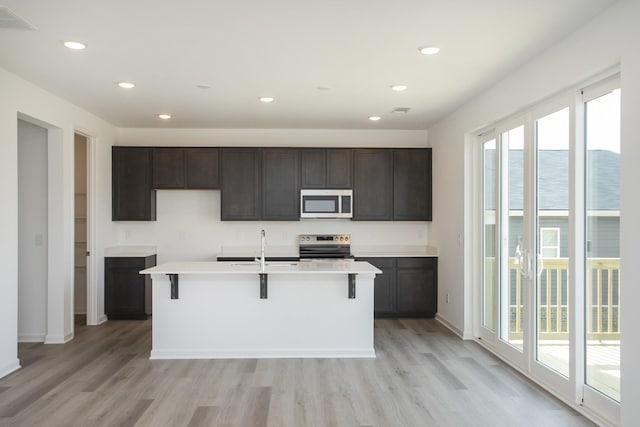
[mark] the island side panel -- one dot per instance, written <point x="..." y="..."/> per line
<point x="222" y="316"/>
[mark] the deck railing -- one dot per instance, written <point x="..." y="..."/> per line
<point x="602" y="296"/>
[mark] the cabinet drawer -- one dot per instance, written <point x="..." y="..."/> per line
<point x="125" y="262"/>
<point x="417" y="263"/>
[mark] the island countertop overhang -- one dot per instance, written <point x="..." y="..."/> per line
<point x="302" y="267"/>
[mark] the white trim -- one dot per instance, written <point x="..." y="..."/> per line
<point x="267" y="353"/>
<point x="58" y="339"/>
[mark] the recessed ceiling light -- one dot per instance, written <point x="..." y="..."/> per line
<point x="75" y="45"/>
<point x="203" y="86"/>
<point x="323" y="87"/>
<point x="429" y="50"/>
<point x="126" y="85"/>
<point x="375" y="118"/>
<point x="164" y="116"/>
<point x="398" y="88"/>
<point x="266" y="99"/>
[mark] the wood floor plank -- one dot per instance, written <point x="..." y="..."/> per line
<point x="423" y="375"/>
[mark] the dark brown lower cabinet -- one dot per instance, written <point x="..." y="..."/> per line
<point x="124" y="288"/>
<point x="407" y="287"/>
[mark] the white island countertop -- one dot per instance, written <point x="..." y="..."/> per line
<point x="212" y="310"/>
<point x="276" y="267"/>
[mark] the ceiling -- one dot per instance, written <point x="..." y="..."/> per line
<point x="329" y="64"/>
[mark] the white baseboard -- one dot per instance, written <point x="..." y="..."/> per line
<point x="31" y="337"/>
<point x="58" y="339"/>
<point x="346" y="353"/>
<point x="444" y="322"/>
<point x="10" y="367"/>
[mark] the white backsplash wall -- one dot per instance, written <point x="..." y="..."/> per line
<point x="188" y="228"/>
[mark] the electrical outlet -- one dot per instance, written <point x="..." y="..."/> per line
<point x="447" y="298"/>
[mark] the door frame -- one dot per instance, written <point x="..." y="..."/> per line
<point x="93" y="311"/>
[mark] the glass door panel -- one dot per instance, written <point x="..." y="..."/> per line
<point x="602" y="284"/>
<point x="552" y="240"/>
<point x="490" y="267"/>
<point x="511" y="231"/>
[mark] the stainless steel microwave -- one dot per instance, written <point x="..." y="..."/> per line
<point x="326" y="203"/>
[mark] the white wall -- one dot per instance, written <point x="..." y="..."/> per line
<point x="20" y="97"/>
<point x="609" y="39"/>
<point x="273" y="137"/>
<point x="188" y="225"/>
<point x="32" y="232"/>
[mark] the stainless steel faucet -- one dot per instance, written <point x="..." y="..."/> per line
<point x="263" y="243"/>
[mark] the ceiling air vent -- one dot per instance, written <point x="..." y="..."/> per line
<point x="401" y="110"/>
<point x="11" y="21"/>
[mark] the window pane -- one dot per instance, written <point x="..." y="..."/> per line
<point x="490" y="281"/>
<point x="511" y="295"/>
<point x="552" y="178"/>
<point x="602" y="285"/>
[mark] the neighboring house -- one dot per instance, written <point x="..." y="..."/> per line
<point x="603" y="202"/>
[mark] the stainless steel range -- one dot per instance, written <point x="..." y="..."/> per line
<point x="324" y="247"/>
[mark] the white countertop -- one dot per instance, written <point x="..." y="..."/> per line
<point x="359" y="251"/>
<point x="393" y="251"/>
<point x="130" y="251"/>
<point x="304" y="267"/>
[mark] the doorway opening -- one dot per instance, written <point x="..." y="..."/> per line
<point x="33" y="232"/>
<point x="80" y="247"/>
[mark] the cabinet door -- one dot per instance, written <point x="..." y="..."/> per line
<point x="240" y="191"/>
<point x="280" y="191"/>
<point x="168" y="168"/>
<point x="133" y="198"/>
<point x="203" y="168"/>
<point x="412" y="184"/>
<point x="339" y="162"/>
<point x="124" y="288"/>
<point x="417" y="288"/>
<point x="372" y="189"/>
<point x="313" y="168"/>
<point x="384" y="292"/>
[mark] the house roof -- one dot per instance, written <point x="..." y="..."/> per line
<point x="603" y="180"/>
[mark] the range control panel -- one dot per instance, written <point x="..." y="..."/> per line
<point x="324" y="239"/>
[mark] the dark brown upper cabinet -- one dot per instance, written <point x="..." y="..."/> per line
<point x="326" y="168"/>
<point x="280" y="190"/>
<point x="412" y="184"/>
<point x="241" y="176"/>
<point x="203" y="168"/>
<point x="133" y="197"/>
<point x="190" y="168"/>
<point x="372" y="184"/>
<point x="168" y="168"/>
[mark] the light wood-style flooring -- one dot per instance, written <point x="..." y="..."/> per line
<point x="423" y="376"/>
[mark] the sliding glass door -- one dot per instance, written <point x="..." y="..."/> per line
<point x="551" y="281"/>
<point x="552" y="346"/>
<point x="602" y="243"/>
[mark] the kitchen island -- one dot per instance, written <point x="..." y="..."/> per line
<point x="209" y="310"/>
